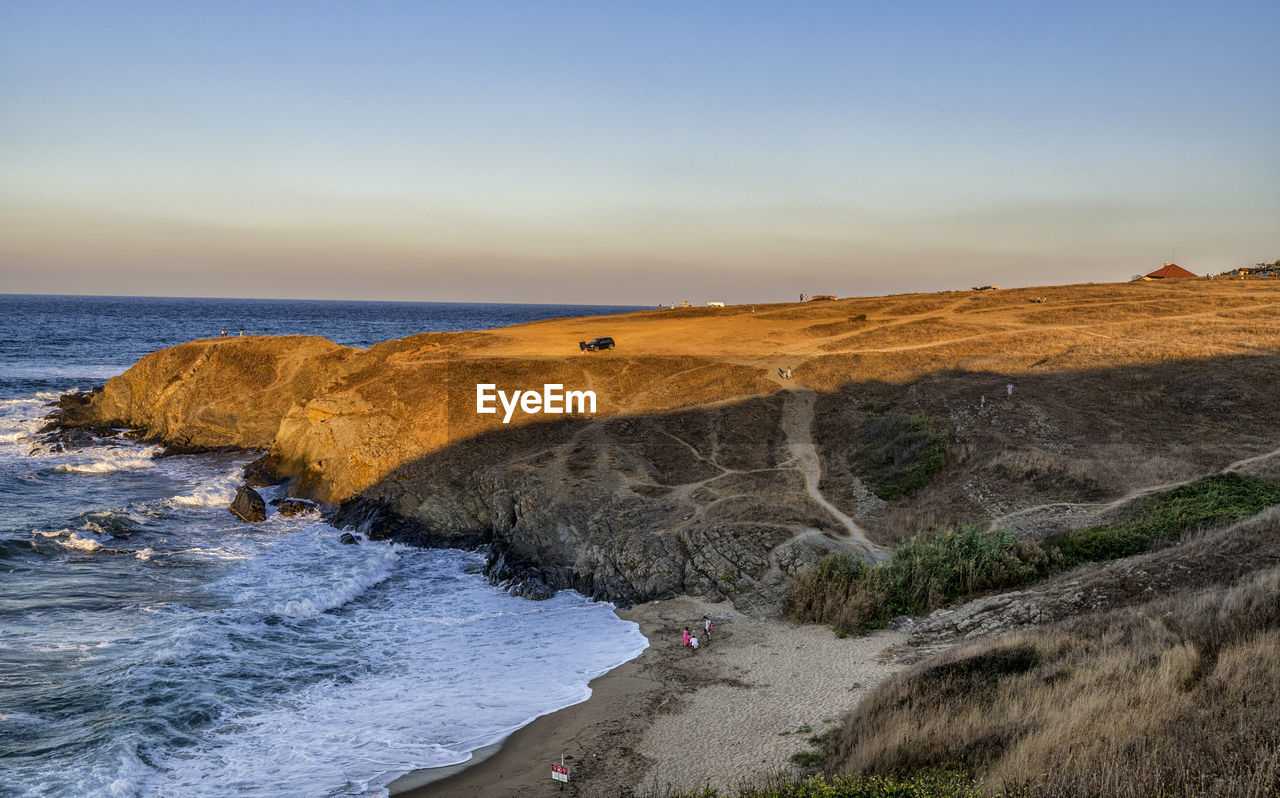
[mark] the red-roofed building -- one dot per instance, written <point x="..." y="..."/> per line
<point x="1169" y="271"/>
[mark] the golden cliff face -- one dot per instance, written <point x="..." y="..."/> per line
<point x="395" y="405"/>
<point x="338" y="420"/>
<point x="219" y="392"/>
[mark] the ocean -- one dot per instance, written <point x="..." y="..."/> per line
<point x="153" y="644"/>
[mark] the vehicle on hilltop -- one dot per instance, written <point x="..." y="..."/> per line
<point x="596" y="344"/>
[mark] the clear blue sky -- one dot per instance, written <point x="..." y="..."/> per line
<point x="630" y="152"/>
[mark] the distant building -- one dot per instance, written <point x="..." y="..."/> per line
<point x="1170" y="271"/>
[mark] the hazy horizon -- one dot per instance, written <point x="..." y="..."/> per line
<point x="320" y="299"/>
<point x="605" y="154"/>
<point x="697" y="302"/>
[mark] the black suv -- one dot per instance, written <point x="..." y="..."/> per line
<point x="595" y="344"/>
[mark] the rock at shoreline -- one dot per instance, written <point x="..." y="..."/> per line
<point x="260" y="473"/>
<point x="248" y="505"/>
<point x="292" y="507"/>
<point x="181" y="447"/>
<point x="348" y="539"/>
<point x="519" y="577"/>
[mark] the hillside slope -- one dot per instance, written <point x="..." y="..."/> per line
<point x="702" y="469"/>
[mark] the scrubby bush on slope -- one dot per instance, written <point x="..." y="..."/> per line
<point x="937" y="569"/>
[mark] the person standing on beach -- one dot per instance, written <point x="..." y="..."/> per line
<point x="687" y="637"/>
<point x="693" y="643"/>
<point x="706" y="628"/>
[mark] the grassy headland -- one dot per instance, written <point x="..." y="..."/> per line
<point x="1140" y="415"/>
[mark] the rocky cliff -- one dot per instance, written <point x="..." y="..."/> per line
<point x="702" y="470"/>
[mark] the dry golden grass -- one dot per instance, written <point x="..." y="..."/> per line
<point x="405" y="399"/>
<point x="1177" y="696"/>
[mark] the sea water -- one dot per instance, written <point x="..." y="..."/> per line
<point x="152" y="643"/>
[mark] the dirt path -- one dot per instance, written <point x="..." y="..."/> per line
<point x="1257" y="458"/>
<point x="1097" y="509"/>
<point x="797" y="423"/>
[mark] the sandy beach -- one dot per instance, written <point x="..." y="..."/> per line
<point x="734" y="709"/>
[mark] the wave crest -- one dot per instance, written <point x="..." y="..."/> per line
<point x="338" y="592"/>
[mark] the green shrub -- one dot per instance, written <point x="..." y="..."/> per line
<point x="932" y="785"/>
<point x="807" y="759"/>
<point x="927" y="572"/>
<point x="937" y="569"/>
<point x="1212" y="501"/>
<point x="900" y="452"/>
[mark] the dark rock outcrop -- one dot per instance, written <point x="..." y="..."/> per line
<point x="292" y="507"/>
<point x="54" y="439"/>
<point x="519" y="576"/>
<point x="248" y="505"/>
<point x="624" y="511"/>
<point x="260" y="473"/>
<point x="348" y="539"/>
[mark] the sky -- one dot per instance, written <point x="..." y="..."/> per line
<point x="630" y="153"/>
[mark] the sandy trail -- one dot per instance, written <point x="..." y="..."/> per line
<point x="797" y="425"/>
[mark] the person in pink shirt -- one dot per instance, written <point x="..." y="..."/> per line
<point x="687" y="636"/>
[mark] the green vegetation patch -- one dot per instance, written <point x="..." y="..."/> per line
<point x="807" y="759"/>
<point x="937" y="569"/>
<point x="940" y="785"/>
<point x="925" y="573"/>
<point x="1209" y="502"/>
<point x="899" y="453"/>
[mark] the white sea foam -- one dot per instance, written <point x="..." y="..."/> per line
<point x="74" y="541"/>
<point x="420" y="694"/>
<point x="107" y="460"/>
<point x="380" y="659"/>
<point x="216" y="494"/>
<point x="19" y="420"/>
<point x="39" y="398"/>
<point x="342" y="589"/>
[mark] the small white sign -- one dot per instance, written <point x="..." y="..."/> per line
<point x="560" y="772"/>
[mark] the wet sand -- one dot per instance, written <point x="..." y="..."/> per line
<point x="733" y="710"/>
